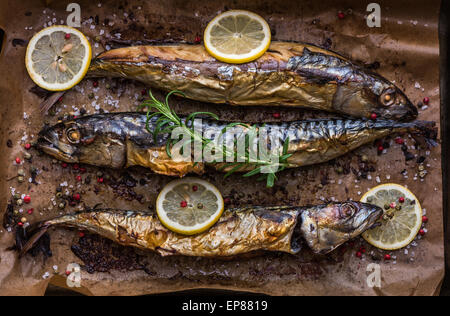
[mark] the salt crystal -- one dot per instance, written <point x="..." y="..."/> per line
<point x="378" y="179"/>
<point x="417" y="85"/>
<point x="46" y="275"/>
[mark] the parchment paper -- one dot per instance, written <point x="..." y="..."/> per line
<point x="407" y="50"/>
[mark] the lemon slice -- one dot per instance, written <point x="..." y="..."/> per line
<point x="237" y="36"/>
<point x="400" y="224"/>
<point x="58" y="57"/>
<point x="189" y="206"/>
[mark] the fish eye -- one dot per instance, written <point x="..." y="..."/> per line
<point x="347" y="210"/>
<point x="73" y="134"/>
<point x="387" y="98"/>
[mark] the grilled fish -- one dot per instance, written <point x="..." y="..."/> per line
<point x="288" y="74"/>
<point x="322" y="228"/>
<point x="119" y="140"/>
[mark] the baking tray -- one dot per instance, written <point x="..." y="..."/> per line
<point x="306" y="21"/>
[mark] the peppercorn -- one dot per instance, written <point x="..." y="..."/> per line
<point x="421" y="232"/>
<point x="18" y="160"/>
<point x="183" y="204"/>
<point x="194" y="188"/>
<point x="276" y="115"/>
<point x="420" y="159"/>
<point x="408" y="156"/>
<point x="424" y="219"/>
<point x="426" y="100"/>
<point x="341" y="15"/>
<point x="27" y="199"/>
<point x="387" y="257"/>
<point x="401" y="199"/>
<point x="67" y="36"/>
<point x="373" y="116"/>
<point x="27" y="146"/>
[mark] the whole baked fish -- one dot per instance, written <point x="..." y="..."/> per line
<point x="288" y="74"/>
<point x="323" y="228"/>
<point x="119" y="140"/>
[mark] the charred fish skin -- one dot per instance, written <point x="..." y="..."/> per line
<point x="288" y="74"/>
<point x="237" y="232"/>
<point x="120" y="140"/>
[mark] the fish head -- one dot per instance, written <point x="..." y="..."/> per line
<point x="379" y="97"/>
<point x="393" y="104"/>
<point x="327" y="227"/>
<point x="83" y="140"/>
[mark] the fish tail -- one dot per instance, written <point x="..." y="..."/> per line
<point x="33" y="239"/>
<point x="426" y="130"/>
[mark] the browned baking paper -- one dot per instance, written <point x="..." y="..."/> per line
<point x="406" y="48"/>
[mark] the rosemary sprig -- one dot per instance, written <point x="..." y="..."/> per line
<point x="267" y="164"/>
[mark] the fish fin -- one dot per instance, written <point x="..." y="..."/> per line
<point x="427" y="131"/>
<point x="31" y="239"/>
<point x="50" y="101"/>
